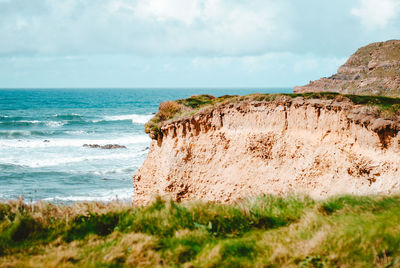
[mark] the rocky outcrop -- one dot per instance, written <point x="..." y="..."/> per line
<point x="287" y="145"/>
<point x="372" y="70"/>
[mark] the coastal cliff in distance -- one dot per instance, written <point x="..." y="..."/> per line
<point x="229" y="148"/>
<point x="372" y="70"/>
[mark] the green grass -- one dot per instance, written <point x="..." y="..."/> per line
<point x="266" y="231"/>
<point x="188" y="106"/>
<point x="386" y="106"/>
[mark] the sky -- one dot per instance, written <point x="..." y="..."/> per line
<point x="184" y="43"/>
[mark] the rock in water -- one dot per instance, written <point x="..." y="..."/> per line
<point x="113" y="146"/>
<point x="91" y="145"/>
<point x="106" y="147"/>
<point x="372" y="70"/>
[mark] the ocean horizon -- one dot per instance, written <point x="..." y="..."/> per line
<point x="42" y="133"/>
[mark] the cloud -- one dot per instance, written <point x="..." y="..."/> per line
<point x="290" y="62"/>
<point x="217" y="42"/>
<point x="153" y="27"/>
<point x="376" y="14"/>
<point x="181" y="11"/>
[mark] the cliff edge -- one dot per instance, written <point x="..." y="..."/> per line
<point x="372" y="70"/>
<point x="228" y="148"/>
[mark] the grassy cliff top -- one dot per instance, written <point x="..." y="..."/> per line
<point x="265" y="231"/>
<point x="379" y="51"/>
<point x="174" y="110"/>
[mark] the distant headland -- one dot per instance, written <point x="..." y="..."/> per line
<point x="372" y="70"/>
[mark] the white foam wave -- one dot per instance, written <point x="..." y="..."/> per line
<point x="22" y="133"/>
<point x="54" y="123"/>
<point x="47" y="123"/>
<point x="101" y="196"/>
<point x="114" y="171"/>
<point x="58" y="161"/>
<point x="76" y="132"/>
<point x="29" y="121"/>
<point x="72" y="142"/>
<point x="135" y="118"/>
<point x="67" y="115"/>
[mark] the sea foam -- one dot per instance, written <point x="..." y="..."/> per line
<point x="61" y="142"/>
<point x="100" y="196"/>
<point x="135" y="118"/>
<point x="58" y="160"/>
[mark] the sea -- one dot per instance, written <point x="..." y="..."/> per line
<point x="42" y="133"/>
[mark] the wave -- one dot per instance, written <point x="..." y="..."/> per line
<point x="69" y="116"/>
<point x="135" y="118"/>
<point x="101" y="196"/>
<point x="28" y="123"/>
<point x="58" y="142"/>
<point x="72" y="119"/>
<point x="54" y="123"/>
<point x="8" y="166"/>
<point x="6" y="118"/>
<point x="115" y="171"/>
<point x="58" y="161"/>
<point x="78" y="132"/>
<point x="22" y="123"/>
<point x="25" y="133"/>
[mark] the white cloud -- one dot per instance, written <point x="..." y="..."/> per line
<point x="295" y="63"/>
<point x="376" y="13"/>
<point x="155" y="27"/>
<point x="202" y="28"/>
<point x="161" y="10"/>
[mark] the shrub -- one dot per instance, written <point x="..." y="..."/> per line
<point x="198" y="101"/>
<point x="168" y="109"/>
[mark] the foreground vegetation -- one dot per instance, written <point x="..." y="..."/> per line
<point x="265" y="231"/>
<point x="386" y="107"/>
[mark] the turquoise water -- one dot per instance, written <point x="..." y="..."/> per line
<point x="42" y="132"/>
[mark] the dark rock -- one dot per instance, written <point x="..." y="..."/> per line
<point x="113" y="146"/>
<point x="106" y="147"/>
<point x="91" y="145"/>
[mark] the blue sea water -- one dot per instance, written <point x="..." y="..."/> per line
<point x="42" y="132"/>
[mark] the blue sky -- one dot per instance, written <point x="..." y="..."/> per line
<point x="184" y="43"/>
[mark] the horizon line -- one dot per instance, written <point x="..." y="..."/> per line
<point x="277" y="87"/>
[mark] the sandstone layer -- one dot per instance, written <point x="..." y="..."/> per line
<point x="285" y="146"/>
<point x="372" y="70"/>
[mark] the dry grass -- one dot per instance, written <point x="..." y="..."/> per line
<point x="168" y="109"/>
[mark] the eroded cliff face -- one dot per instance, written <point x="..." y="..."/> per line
<point x="372" y="70"/>
<point x="237" y="150"/>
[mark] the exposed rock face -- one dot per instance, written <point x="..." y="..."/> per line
<point x="372" y="70"/>
<point x="316" y="147"/>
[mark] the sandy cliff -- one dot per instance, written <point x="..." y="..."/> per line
<point x="372" y="70"/>
<point x="237" y="149"/>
